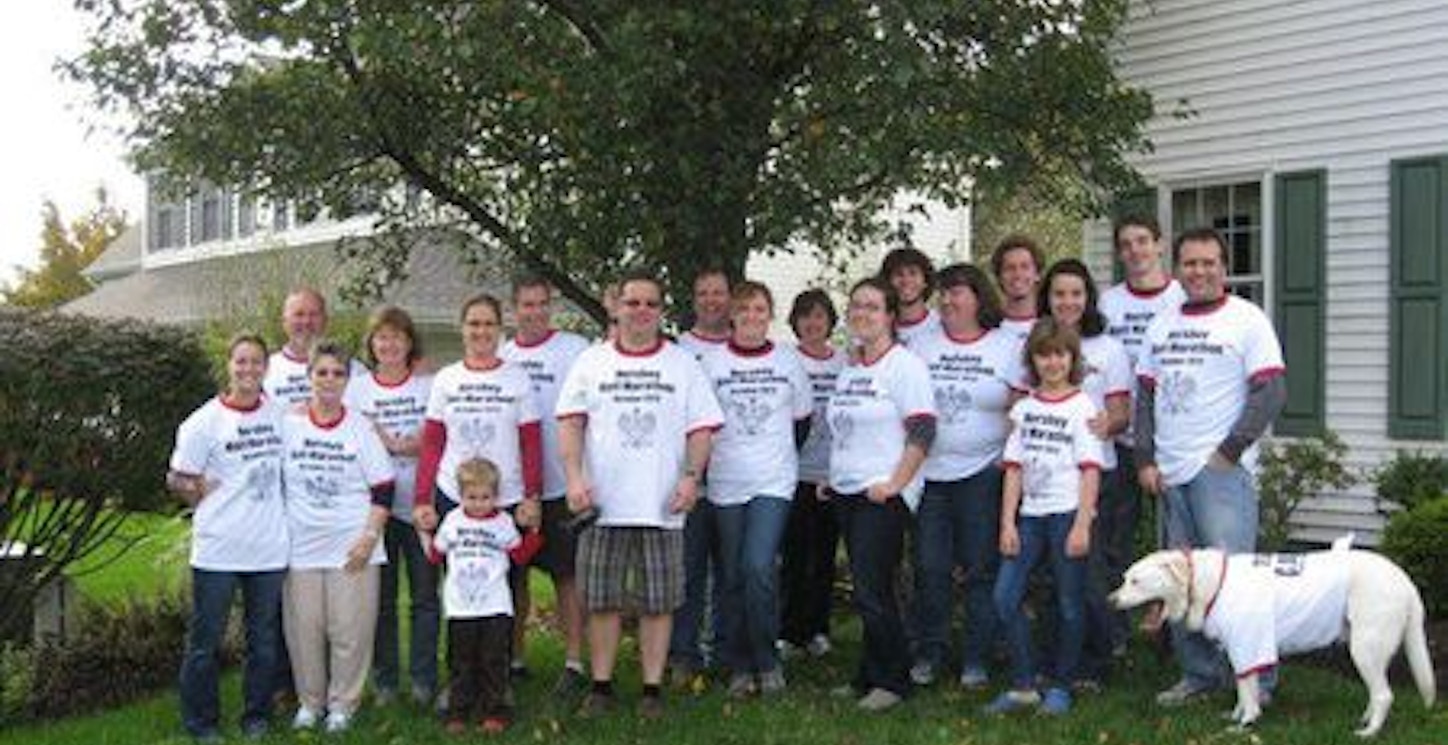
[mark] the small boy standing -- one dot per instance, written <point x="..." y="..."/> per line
<point x="480" y="541"/>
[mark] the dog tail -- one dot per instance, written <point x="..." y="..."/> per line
<point x="1415" y="644"/>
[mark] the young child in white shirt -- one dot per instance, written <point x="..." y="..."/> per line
<point x="1053" y="474"/>
<point x="480" y="541"/>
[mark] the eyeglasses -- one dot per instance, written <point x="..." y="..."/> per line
<point x="651" y="304"/>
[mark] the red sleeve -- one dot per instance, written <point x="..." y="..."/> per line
<point x="523" y="553"/>
<point x="434" y="439"/>
<point x="530" y="445"/>
<point x="434" y="556"/>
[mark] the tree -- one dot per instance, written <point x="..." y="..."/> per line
<point x="64" y="251"/>
<point x="581" y="138"/>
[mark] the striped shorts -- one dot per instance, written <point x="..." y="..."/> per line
<point x="631" y="569"/>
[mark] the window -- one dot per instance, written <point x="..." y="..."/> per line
<point x="161" y="236"/>
<point x="210" y="215"/>
<point x="1235" y="211"/>
<point x="245" y="215"/>
<point x="281" y="218"/>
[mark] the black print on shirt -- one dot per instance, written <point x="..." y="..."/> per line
<point x="638" y="427"/>
<point x="952" y="404"/>
<point x="478" y="435"/>
<point x="842" y="427"/>
<point x="750" y="414"/>
<point x="1176" y="392"/>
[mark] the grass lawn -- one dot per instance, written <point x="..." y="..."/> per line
<point x="1314" y="707"/>
<point x="147" y="554"/>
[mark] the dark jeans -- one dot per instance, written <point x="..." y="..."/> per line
<point x="1113" y="548"/>
<point x="807" y="573"/>
<point x="688" y="640"/>
<point x="404" y="548"/>
<point x="875" y="538"/>
<point x="211" y="596"/>
<point x="959" y="526"/>
<point x="1042" y="536"/>
<point x="749" y="536"/>
<point x="479" y="653"/>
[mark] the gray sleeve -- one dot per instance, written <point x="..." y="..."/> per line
<point x="920" y="430"/>
<point x="1265" y="399"/>
<point x="1143" y="419"/>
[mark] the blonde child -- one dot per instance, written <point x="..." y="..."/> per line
<point x="480" y="541"/>
<point x="1052" y="463"/>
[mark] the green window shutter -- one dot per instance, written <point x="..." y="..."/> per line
<point x="1300" y="296"/>
<point x="1418" y="245"/>
<point x="1139" y="202"/>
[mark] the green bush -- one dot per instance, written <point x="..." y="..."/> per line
<point x="88" y="412"/>
<point x="1412" y="479"/>
<point x="1417" y="539"/>
<point x="1292" y="471"/>
<point x="17" y="682"/>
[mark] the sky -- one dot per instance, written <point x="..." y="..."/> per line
<point x="46" y="149"/>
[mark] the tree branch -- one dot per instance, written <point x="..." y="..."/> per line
<point x="575" y="15"/>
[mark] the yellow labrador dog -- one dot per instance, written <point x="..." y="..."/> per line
<point x="1258" y="607"/>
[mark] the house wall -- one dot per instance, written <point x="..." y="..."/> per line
<point x="1275" y="87"/>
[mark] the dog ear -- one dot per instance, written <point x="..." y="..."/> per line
<point x="1174" y="603"/>
<point x="1197" y="603"/>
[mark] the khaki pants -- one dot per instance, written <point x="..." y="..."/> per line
<point x="330" y="617"/>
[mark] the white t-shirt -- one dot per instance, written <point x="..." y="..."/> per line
<point x="640" y="409"/>
<point x="482" y="411"/>
<point x="547" y="362"/>
<point x="867" y="416"/>
<point x="814" y="457"/>
<point x="399" y="410"/>
<point x="972" y="380"/>
<point x="1108" y="376"/>
<point x="762" y="393"/>
<point x="476" y="582"/>
<point x="1128" y="313"/>
<point x="909" y="334"/>
<point x="328" y="473"/>
<point x="241" y="525"/>
<point x="697" y="344"/>
<point x="1201" y="362"/>
<point x="1051" y="442"/>
<point x="1019" y="327"/>
<point x="287" y="382"/>
<point x="1273" y="604"/>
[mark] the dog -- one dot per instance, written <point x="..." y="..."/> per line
<point x="1258" y="607"/>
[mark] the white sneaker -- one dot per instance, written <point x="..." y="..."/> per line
<point x="922" y="673"/>
<point x="338" y="722"/>
<point x="878" y="699"/>
<point x="819" y="646"/>
<point x="305" y="718"/>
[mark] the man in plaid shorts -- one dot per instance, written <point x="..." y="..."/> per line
<point x="636" y="420"/>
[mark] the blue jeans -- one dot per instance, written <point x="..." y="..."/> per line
<point x="404" y="547"/>
<point x="875" y="539"/>
<point x="687" y="641"/>
<point x="211" y="596"/>
<point x="958" y="526"/>
<point x="1216" y="509"/>
<point x="749" y="536"/>
<point x="1042" y="536"/>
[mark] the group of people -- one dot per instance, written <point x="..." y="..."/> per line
<point x="703" y="486"/>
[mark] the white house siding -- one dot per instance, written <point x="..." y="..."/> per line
<point x="941" y="233"/>
<point x="1275" y="87"/>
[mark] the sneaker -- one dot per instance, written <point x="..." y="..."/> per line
<point x="878" y="699"/>
<point x="571" y="684"/>
<point x="772" y="682"/>
<point x="1086" y="686"/>
<point x="1056" y="702"/>
<point x="923" y="673"/>
<point x="1183" y="692"/>
<point x="740" y="685"/>
<point x="973" y="679"/>
<point x="442" y="702"/>
<point x="254" y="729"/>
<point x="422" y="695"/>
<point x="455" y="727"/>
<point x="595" y="705"/>
<point x="787" y="650"/>
<point x="494" y="725"/>
<point x="819" y="646"/>
<point x="1012" y="701"/>
<point x="305" y="718"/>
<point x="651" y="708"/>
<point x="338" y="722"/>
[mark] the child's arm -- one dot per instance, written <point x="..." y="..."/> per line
<point x="1078" y="541"/>
<point x="1010" y="540"/>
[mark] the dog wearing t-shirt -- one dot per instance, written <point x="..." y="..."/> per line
<point x="1257" y="607"/>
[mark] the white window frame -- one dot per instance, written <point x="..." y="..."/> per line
<point x="1264" y="181"/>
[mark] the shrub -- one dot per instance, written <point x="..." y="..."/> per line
<point x="88" y="410"/>
<point x="1412" y="479"/>
<point x="1291" y="472"/>
<point x="1417" y="539"/>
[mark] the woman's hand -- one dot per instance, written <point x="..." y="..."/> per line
<point x="881" y="492"/>
<point x="1078" y="541"/>
<point x="1010" y="540"/>
<point x="529" y="513"/>
<point x="361" y="551"/>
